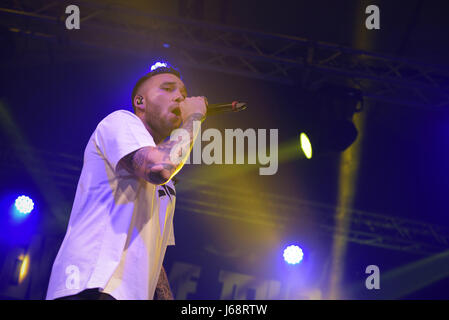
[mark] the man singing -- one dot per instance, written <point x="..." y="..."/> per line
<point x="122" y="216"/>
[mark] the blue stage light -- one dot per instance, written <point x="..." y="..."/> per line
<point x="293" y="254"/>
<point x="24" y="205"/>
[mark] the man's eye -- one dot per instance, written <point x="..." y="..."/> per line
<point x="167" y="89"/>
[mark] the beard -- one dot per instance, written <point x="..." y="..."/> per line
<point x="167" y="125"/>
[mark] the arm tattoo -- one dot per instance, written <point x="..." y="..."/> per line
<point x="138" y="159"/>
<point x="163" y="291"/>
<point x="159" y="170"/>
<point x="128" y="163"/>
<point x="156" y="176"/>
<point x="167" y="146"/>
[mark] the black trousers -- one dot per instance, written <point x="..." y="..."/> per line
<point x="89" y="294"/>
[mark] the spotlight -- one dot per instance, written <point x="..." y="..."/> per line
<point x="24" y="267"/>
<point x="305" y="144"/>
<point x="293" y="254"/>
<point x="21" y="268"/>
<point x="24" y="205"/>
<point x="327" y="123"/>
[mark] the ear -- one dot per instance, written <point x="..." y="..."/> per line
<point x="139" y="102"/>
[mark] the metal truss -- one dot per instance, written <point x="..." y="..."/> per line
<point x="365" y="228"/>
<point x="273" y="57"/>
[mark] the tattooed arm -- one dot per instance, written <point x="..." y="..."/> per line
<point x="163" y="291"/>
<point x="154" y="163"/>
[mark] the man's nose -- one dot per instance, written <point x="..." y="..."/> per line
<point x="178" y="96"/>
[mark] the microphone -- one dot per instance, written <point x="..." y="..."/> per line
<point x="235" y="106"/>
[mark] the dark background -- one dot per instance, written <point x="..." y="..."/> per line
<point x="56" y="93"/>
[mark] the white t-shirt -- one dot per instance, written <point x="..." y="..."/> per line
<point x="120" y="225"/>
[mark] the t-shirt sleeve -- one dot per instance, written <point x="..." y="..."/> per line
<point x="119" y="134"/>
